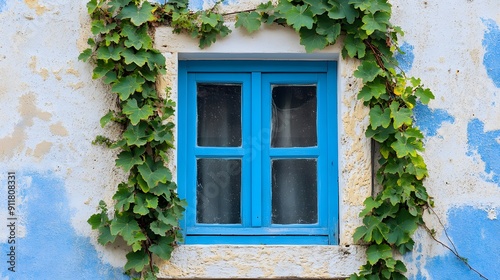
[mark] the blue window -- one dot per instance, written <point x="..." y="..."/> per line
<point x="257" y="158"/>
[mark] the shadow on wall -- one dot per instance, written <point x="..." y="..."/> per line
<point x="50" y="249"/>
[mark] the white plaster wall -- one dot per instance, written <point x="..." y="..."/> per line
<point x="51" y="109"/>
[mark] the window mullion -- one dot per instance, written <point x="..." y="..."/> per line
<point x="256" y="149"/>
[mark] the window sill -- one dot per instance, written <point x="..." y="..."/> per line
<point x="259" y="261"/>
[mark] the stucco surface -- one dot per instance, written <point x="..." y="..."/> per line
<point x="51" y="109"/>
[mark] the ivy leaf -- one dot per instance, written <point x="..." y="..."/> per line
<point x="372" y="6"/>
<point x="140" y="57"/>
<point x="123" y="197"/>
<point x="379" y="117"/>
<point x="425" y="95"/>
<point x="417" y="167"/>
<point x="372" y="90"/>
<point x="137" y="134"/>
<point x="99" y="27"/>
<point x="342" y="9"/>
<point x="140" y="207"/>
<point x="380" y="134"/>
<point x="105" y="236"/>
<point x="127" y="159"/>
<point x="117" y="4"/>
<point x="153" y="173"/>
<point x="160" y="228"/>
<point x="311" y="40"/>
<point x="137" y="260"/>
<point x="125" y="225"/>
<point x="92" y="5"/>
<point x="329" y="28"/>
<point x="106" y="118"/>
<point x="401" y="227"/>
<point x="300" y="16"/>
<point x="318" y="7"/>
<point x="368" y="71"/>
<point x="377" y="21"/>
<point x="164" y="189"/>
<point x="369" y="203"/>
<point x="210" y="19"/>
<point x="400" y="115"/>
<point x="155" y="59"/>
<point x="378" y="251"/>
<point x="164" y="247"/>
<point x="102" y="68"/>
<point x="372" y="230"/>
<point x="125" y="86"/>
<point x="354" y="45"/>
<point x="406" y="146"/>
<point x="138" y="15"/>
<point x="111" y="52"/>
<point x="85" y="55"/>
<point x="135" y="112"/>
<point x="136" y="37"/>
<point x="170" y="219"/>
<point x="251" y="21"/>
<point x="112" y="38"/>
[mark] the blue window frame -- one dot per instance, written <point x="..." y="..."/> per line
<point x="257" y="153"/>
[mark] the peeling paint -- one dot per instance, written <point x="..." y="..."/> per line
<point x="476" y="238"/>
<point x="430" y="120"/>
<point x="2" y="5"/>
<point x="50" y="249"/>
<point x="33" y="4"/>
<point x="406" y="58"/>
<point x="42" y="149"/>
<point x="58" y="129"/>
<point x="491" y="44"/>
<point x="486" y="145"/>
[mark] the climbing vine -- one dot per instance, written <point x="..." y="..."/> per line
<point x="147" y="208"/>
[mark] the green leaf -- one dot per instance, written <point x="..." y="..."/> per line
<point x="95" y="221"/>
<point x="99" y="27"/>
<point x="368" y="71"/>
<point x="328" y="28"/>
<point x="154" y="172"/>
<point x="406" y="146"/>
<point x="137" y="37"/>
<point x="123" y="197"/>
<point x="372" y="6"/>
<point x="140" y="206"/>
<point x="369" y="203"/>
<point x="379" y="117"/>
<point x="170" y="219"/>
<point x="125" y="86"/>
<point x="401" y="227"/>
<point x="160" y="228"/>
<point x="85" y="55"/>
<point x="311" y="40"/>
<point x="138" y="15"/>
<point x="400" y="115"/>
<point x="135" y="113"/>
<point x="155" y="59"/>
<point x="105" y="236"/>
<point x="127" y="159"/>
<point x="102" y="68"/>
<point x="92" y="5"/>
<point x="342" y="9"/>
<point x="378" y="251"/>
<point x="372" y="230"/>
<point x="164" y="248"/>
<point x="371" y="90"/>
<point x="140" y="57"/>
<point x="137" y="134"/>
<point x="378" y="21"/>
<point x="251" y="21"/>
<point x="127" y="227"/>
<point x="318" y="7"/>
<point x="111" y="52"/>
<point x="425" y="95"/>
<point x="137" y="260"/>
<point x="300" y="16"/>
<point x="354" y="46"/>
<point x="210" y="19"/>
<point x="106" y="118"/>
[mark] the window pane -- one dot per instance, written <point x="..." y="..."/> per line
<point x="219" y="115"/>
<point x="294" y="191"/>
<point x="218" y="191"/>
<point x="293" y="116"/>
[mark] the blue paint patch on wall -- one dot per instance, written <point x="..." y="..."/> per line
<point x="476" y="238"/>
<point x="51" y="249"/>
<point x="487" y="145"/>
<point x="491" y="44"/>
<point x="2" y="5"/>
<point x="405" y="59"/>
<point x="430" y="120"/>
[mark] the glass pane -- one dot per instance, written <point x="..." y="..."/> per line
<point x="219" y="115"/>
<point x="294" y="191"/>
<point x="293" y="116"/>
<point x="218" y="191"/>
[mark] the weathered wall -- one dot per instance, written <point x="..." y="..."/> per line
<point x="51" y="110"/>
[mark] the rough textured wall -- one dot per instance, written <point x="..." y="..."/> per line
<point x="51" y="109"/>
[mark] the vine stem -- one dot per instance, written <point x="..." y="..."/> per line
<point x="237" y="12"/>
<point x="454" y="249"/>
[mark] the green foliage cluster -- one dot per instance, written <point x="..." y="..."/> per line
<point x="147" y="208"/>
